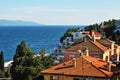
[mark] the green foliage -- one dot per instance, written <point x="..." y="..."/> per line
<point x="68" y="33"/>
<point x="110" y="27"/>
<point x="2" y="61"/>
<point x="7" y="73"/>
<point x="94" y="27"/>
<point x="107" y="31"/>
<point x="46" y="60"/>
<point x="1" y="74"/>
<point x="25" y="65"/>
<point x="116" y="37"/>
<point x="42" y="52"/>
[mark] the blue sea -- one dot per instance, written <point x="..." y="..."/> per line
<point x="38" y="37"/>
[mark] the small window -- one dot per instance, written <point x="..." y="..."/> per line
<point x="51" y="77"/>
<point x="59" y="50"/>
<point x="90" y="78"/>
<point x="75" y="78"/>
<point x="76" y="34"/>
<point x="54" y="78"/>
<point x="67" y="39"/>
<point x="67" y="44"/>
<point x="97" y="56"/>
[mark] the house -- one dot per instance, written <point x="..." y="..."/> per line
<point x="115" y="48"/>
<point x="58" y="50"/>
<point x="81" y="68"/>
<point x="102" y="48"/>
<point x="76" y="36"/>
<point x="94" y="34"/>
<point x="67" y="42"/>
<point x="95" y="50"/>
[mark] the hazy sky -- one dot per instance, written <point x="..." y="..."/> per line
<point x="60" y="12"/>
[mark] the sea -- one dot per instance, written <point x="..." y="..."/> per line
<point x="37" y="37"/>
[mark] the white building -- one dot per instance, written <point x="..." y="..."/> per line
<point x="67" y="42"/>
<point x="77" y="36"/>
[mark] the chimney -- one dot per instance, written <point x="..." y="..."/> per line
<point x="118" y="57"/>
<point x="79" y="53"/>
<point x="64" y="64"/>
<point x="85" y="39"/>
<point x="87" y="52"/>
<point x="112" y="48"/>
<point x="109" y="66"/>
<point x="93" y="38"/>
<point x="74" y="62"/>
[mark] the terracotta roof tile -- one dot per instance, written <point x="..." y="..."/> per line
<point x="85" y="66"/>
<point x="92" y="46"/>
<point x="107" y="42"/>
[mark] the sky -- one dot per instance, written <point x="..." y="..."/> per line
<point x="60" y="12"/>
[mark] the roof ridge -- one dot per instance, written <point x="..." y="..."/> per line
<point x="82" y="57"/>
<point x="95" y="66"/>
<point x="100" y="70"/>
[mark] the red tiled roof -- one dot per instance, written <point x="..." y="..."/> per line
<point x="107" y="42"/>
<point x="97" y="34"/>
<point x="85" y="66"/>
<point x="92" y="46"/>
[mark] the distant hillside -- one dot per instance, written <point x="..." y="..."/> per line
<point x="17" y="23"/>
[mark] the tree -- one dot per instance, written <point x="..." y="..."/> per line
<point x="68" y="33"/>
<point x="2" y="73"/>
<point x="25" y="65"/>
<point x="42" y="52"/>
<point x="2" y="61"/>
<point x="46" y="60"/>
<point x="7" y="73"/>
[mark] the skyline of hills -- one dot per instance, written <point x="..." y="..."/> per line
<point x="4" y="22"/>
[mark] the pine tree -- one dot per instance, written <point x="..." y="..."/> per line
<point x="25" y="65"/>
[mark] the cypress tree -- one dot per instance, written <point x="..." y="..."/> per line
<point x="2" y="61"/>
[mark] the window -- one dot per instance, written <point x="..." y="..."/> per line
<point x="75" y="78"/>
<point x="67" y="44"/>
<point x="59" y="50"/>
<point x="90" y="78"/>
<point x="51" y="77"/>
<point x="67" y="39"/>
<point x="71" y="56"/>
<point x="79" y="78"/>
<point x="97" y="56"/>
<point x="54" y="78"/>
<point x="76" y="34"/>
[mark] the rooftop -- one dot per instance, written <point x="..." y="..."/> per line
<point x="92" y="46"/>
<point x="85" y="66"/>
